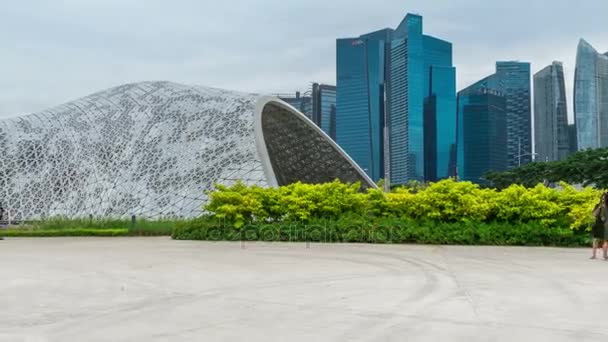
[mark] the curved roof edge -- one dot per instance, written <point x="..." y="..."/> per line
<point x="263" y="149"/>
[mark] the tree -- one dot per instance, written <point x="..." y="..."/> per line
<point x="588" y="167"/>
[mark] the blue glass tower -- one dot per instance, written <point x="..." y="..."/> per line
<point x="512" y="80"/>
<point x="482" y="132"/>
<point x="360" y="99"/>
<point x="396" y="103"/>
<point x="440" y="110"/>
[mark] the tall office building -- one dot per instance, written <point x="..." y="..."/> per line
<point x="360" y="107"/>
<point x="551" y="132"/>
<point x="482" y="132"/>
<point x="422" y="105"/>
<point x="512" y="80"/>
<point x="591" y="97"/>
<point x="324" y="108"/>
<point x="396" y="103"/>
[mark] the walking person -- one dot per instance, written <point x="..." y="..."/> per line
<point x="600" y="227"/>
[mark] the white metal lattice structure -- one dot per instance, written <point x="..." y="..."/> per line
<point x="152" y="149"/>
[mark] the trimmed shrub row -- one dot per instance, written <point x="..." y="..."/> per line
<point x="446" y="212"/>
<point x="446" y="201"/>
<point x="384" y="230"/>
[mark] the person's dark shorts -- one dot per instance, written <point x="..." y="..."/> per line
<point x="599" y="231"/>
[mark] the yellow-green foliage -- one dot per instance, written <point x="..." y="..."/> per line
<point x="241" y="204"/>
<point x="444" y="201"/>
<point x="579" y="204"/>
<point x="238" y="203"/>
<point x="304" y="201"/>
<point x="519" y="204"/>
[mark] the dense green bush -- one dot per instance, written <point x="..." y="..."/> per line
<point x="446" y="212"/>
<point x="445" y="201"/>
<point x="383" y="230"/>
<point x="240" y="204"/>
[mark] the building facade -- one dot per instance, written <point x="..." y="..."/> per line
<point x="482" y="132"/>
<point x="154" y="149"/>
<point x="591" y="97"/>
<point x="513" y="79"/>
<point x="324" y="108"/>
<point x="360" y="105"/>
<point x="396" y="103"/>
<point x="551" y="131"/>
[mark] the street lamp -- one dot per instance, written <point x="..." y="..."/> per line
<point x="524" y="155"/>
<point x="519" y="154"/>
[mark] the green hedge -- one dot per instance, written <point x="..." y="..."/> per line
<point x="62" y="232"/>
<point x="447" y="201"/>
<point x="384" y="230"/>
<point x="446" y="212"/>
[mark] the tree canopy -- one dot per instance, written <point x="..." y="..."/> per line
<point x="588" y="167"/>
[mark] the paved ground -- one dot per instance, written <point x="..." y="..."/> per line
<point x="155" y="289"/>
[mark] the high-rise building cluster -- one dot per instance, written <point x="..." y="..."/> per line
<point x="395" y="109"/>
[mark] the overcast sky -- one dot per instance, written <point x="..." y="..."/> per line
<point x="52" y="52"/>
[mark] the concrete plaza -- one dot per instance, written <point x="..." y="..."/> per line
<point x="155" y="289"/>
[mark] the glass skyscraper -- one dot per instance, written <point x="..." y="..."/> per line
<point x="482" y="132"/>
<point x="396" y="103"/>
<point x="360" y="99"/>
<point x="512" y="80"/>
<point x="551" y="132"/>
<point x="324" y="108"/>
<point x="591" y="97"/>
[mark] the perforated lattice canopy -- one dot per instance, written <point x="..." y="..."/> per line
<point x="298" y="152"/>
<point x="152" y="149"/>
